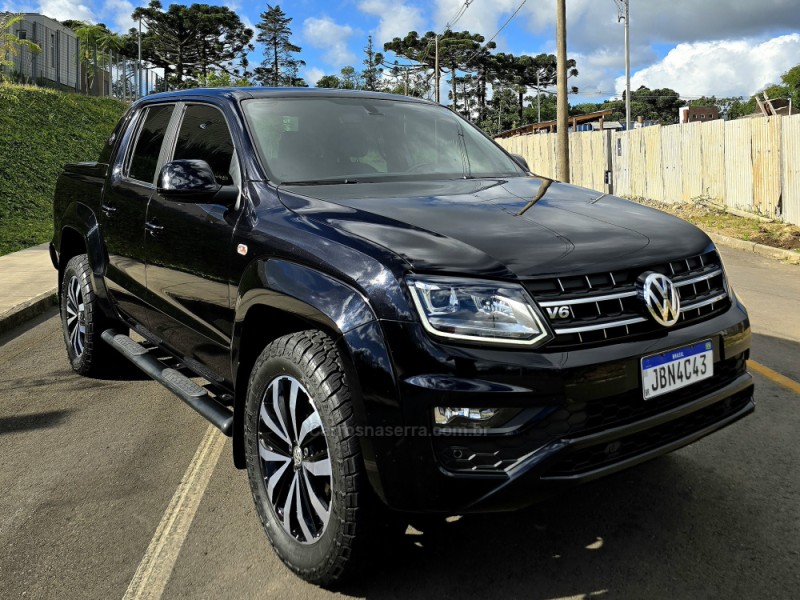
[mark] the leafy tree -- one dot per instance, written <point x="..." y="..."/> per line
<point x="458" y="51"/>
<point x="372" y="70"/>
<point x="10" y="43"/>
<point x="523" y="72"/>
<point x="190" y="41"/>
<point x="329" y="81"/>
<point x="280" y="67"/>
<point x="501" y="112"/>
<point x="726" y="106"/>
<point x="791" y="79"/>
<point x="96" y="41"/>
<point x="407" y="81"/>
<point x="218" y="79"/>
<point x="348" y="79"/>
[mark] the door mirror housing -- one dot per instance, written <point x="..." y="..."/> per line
<point x="193" y="181"/>
<point x="521" y="162"/>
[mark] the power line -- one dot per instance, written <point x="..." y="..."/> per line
<point x="491" y="39"/>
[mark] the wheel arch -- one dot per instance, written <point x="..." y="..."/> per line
<point x="80" y="234"/>
<point x="277" y="298"/>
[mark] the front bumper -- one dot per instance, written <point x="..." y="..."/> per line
<point x="582" y="415"/>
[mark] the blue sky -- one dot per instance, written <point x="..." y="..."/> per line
<point x="724" y="47"/>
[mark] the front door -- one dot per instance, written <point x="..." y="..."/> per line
<point x="189" y="246"/>
<point x="124" y="209"/>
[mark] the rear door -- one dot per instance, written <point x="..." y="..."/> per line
<point x="189" y="248"/>
<point x="124" y="208"/>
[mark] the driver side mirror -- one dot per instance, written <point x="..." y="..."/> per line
<point x="193" y="181"/>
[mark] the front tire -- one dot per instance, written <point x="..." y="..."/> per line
<point x="82" y="319"/>
<point x="303" y="459"/>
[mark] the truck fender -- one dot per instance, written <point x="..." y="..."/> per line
<point x="340" y="310"/>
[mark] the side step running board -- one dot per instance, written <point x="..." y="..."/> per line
<point x="180" y="385"/>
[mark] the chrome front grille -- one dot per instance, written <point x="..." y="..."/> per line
<point x="603" y="307"/>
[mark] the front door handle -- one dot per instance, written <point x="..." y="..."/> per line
<point x="153" y="228"/>
<point x="107" y="209"/>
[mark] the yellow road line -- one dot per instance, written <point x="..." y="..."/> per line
<point x="154" y="570"/>
<point x="774" y="376"/>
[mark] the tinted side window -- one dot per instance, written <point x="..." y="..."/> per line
<point x="145" y="155"/>
<point x="204" y="136"/>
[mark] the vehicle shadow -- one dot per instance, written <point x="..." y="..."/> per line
<point x="22" y="423"/>
<point x="652" y="532"/>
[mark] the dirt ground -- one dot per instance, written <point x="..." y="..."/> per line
<point x="714" y="219"/>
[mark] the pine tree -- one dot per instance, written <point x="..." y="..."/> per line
<point x="280" y="67"/>
<point x="372" y="71"/>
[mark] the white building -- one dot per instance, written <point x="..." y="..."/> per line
<point x="58" y="64"/>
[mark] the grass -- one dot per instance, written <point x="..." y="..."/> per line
<point x="712" y="218"/>
<point x="40" y="131"/>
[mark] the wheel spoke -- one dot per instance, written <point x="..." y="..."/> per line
<point x="301" y="513"/>
<point x="323" y="512"/>
<point x="273" y="426"/>
<point x="310" y="424"/>
<point x="293" y="405"/>
<point x="319" y="468"/>
<point x="276" y="406"/>
<point x="287" y="506"/>
<point x="272" y="480"/>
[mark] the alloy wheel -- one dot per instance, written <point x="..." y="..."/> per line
<point x="295" y="459"/>
<point x="76" y="317"/>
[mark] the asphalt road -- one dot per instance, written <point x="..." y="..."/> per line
<point x="89" y="467"/>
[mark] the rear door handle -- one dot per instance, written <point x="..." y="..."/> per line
<point x="154" y="229"/>
<point x="107" y="209"/>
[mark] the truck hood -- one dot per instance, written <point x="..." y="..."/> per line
<point x="517" y="227"/>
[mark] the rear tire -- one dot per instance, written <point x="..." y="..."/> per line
<point x="83" y="320"/>
<point x="303" y="459"/>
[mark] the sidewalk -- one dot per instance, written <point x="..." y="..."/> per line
<point x="28" y="285"/>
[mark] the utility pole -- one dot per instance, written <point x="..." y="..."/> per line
<point x="538" y="100"/>
<point x="623" y="6"/>
<point x="436" y="91"/>
<point x="139" y="64"/>
<point x="562" y="131"/>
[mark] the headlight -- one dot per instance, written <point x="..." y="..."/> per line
<point x="480" y="311"/>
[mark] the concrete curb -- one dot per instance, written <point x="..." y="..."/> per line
<point x="26" y="311"/>
<point x="760" y="249"/>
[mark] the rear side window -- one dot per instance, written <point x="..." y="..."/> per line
<point x="204" y="135"/>
<point x="148" y="145"/>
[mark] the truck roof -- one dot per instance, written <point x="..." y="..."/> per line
<point x="242" y="93"/>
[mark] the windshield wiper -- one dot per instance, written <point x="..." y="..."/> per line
<point x="340" y="181"/>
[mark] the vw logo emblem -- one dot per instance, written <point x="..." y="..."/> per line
<point x="661" y="298"/>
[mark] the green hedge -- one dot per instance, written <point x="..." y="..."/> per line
<point x="40" y="131"/>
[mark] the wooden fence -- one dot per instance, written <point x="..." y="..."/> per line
<point x="750" y="165"/>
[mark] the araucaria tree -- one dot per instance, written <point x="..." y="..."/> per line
<point x="191" y="41"/>
<point x="280" y="67"/>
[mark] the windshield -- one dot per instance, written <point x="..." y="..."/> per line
<point x="349" y="140"/>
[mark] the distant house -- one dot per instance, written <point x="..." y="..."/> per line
<point x="692" y="114"/>
<point x="58" y="63"/>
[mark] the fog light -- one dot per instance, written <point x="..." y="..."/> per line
<point x="443" y="415"/>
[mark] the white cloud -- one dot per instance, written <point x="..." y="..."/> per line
<point x="396" y="19"/>
<point x="311" y="75"/>
<point x="593" y="24"/>
<point x="721" y="68"/>
<point x="328" y="35"/>
<point x="482" y="16"/>
<point x="117" y="14"/>
<point x="66" y="9"/>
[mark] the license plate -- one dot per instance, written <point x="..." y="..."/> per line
<point x="675" y="369"/>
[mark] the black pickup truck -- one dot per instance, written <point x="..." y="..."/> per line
<point x="390" y="315"/>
